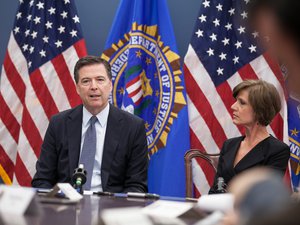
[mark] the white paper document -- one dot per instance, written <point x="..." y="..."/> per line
<point x="216" y="202"/>
<point x="15" y="200"/>
<point x="125" y="216"/>
<point x="170" y="209"/>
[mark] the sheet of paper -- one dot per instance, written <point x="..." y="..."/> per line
<point x="216" y="202"/>
<point x="212" y="219"/>
<point x="13" y="220"/>
<point x="15" y="200"/>
<point x="170" y="209"/>
<point x="125" y="216"/>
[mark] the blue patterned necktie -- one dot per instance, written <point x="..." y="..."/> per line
<point x="87" y="157"/>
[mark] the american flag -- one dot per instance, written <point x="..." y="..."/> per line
<point x="36" y="81"/>
<point x="221" y="54"/>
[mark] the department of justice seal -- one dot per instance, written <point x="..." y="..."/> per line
<point x="147" y="81"/>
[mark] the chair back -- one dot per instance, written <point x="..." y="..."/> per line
<point x="211" y="159"/>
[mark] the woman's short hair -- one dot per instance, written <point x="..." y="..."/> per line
<point x="263" y="97"/>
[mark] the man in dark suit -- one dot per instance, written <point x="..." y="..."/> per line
<point x="119" y="160"/>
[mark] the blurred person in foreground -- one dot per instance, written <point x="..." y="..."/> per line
<point x="278" y="22"/>
<point x="259" y="194"/>
<point x="290" y="216"/>
<point x="257" y="103"/>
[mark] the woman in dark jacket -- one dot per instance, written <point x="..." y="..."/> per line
<point x="257" y="103"/>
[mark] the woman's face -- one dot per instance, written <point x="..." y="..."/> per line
<point x="243" y="113"/>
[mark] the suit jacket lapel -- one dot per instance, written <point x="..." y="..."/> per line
<point x="74" y="127"/>
<point x="113" y="130"/>
<point x="254" y="157"/>
<point x="230" y="154"/>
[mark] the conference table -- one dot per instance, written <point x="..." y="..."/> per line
<point x="88" y="211"/>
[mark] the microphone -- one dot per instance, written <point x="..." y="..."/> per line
<point x="221" y="185"/>
<point x="79" y="178"/>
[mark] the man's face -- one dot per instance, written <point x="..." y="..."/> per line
<point x="94" y="87"/>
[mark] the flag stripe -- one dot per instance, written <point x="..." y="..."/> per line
<point x="6" y="163"/>
<point x="31" y="132"/>
<point x="199" y="127"/>
<point x="10" y="98"/>
<point x="197" y="193"/>
<point x="138" y="97"/>
<point x="133" y="84"/>
<point x="209" y="170"/>
<point x="27" y="154"/>
<point x="234" y="80"/>
<point x="8" y="143"/>
<point x="9" y="120"/>
<point x="22" y="175"/>
<point x="135" y="92"/>
<point x="138" y="101"/>
<point x="66" y="80"/>
<point x="277" y="126"/>
<point x="54" y="86"/>
<point x="199" y="178"/>
<point x="80" y="49"/>
<point x="43" y="94"/>
<point x="275" y="68"/>
<point x="14" y="78"/>
<point x="247" y="73"/>
<point x="17" y="60"/>
<point x="204" y="108"/>
<point x="195" y="142"/>
<point x="223" y="90"/>
<point x="21" y="75"/>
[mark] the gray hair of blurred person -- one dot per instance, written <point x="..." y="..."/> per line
<point x="290" y="215"/>
<point x="265" y="195"/>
